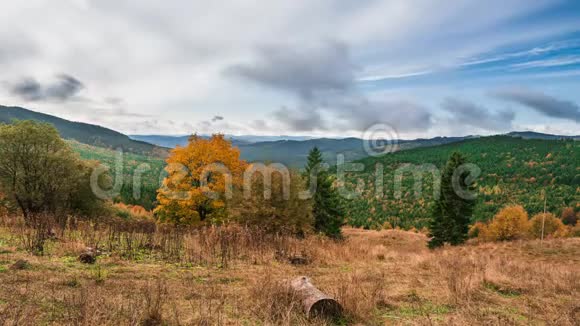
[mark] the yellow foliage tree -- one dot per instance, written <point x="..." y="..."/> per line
<point x="553" y="226"/>
<point x="509" y="223"/>
<point x="201" y="178"/>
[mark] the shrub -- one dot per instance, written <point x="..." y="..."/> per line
<point x="569" y="216"/>
<point x="477" y="230"/>
<point x="274" y="212"/>
<point x="387" y="226"/>
<point x="41" y="174"/>
<point x="509" y="223"/>
<point x="133" y="212"/>
<point x="552" y="225"/>
<point x="575" y="231"/>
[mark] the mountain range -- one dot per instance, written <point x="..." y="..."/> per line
<point x="171" y="141"/>
<point x="289" y="150"/>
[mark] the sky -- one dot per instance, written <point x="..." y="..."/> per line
<point x="332" y="68"/>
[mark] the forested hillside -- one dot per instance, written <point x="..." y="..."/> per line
<point x="513" y="170"/>
<point x="151" y="167"/>
<point x="81" y="132"/>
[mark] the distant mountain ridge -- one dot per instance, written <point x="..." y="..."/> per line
<point x="293" y="152"/>
<point x="539" y="135"/>
<point x="181" y="140"/>
<point x="289" y="150"/>
<point x="82" y="132"/>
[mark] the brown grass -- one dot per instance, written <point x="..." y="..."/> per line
<point x="236" y="276"/>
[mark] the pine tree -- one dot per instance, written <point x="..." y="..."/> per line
<point x="451" y="213"/>
<point x="327" y="207"/>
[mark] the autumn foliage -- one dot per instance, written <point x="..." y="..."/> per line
<point x="201" y="176"/>
<point x="509" y="223"/>
<point x="551" y="224"/>
<point x="569" y="216"/>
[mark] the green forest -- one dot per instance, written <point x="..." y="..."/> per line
<point x="152" y="172"/>
<point x="513" y="170"/>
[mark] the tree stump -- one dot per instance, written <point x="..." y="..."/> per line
<point x="315" y="302"/>
<point x="88" y="257"/>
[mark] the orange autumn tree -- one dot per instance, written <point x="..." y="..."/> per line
<point x="201" y="178"/>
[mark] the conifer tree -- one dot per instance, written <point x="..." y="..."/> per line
<point x="327" y="209"/>
<point x="451" y="213"/>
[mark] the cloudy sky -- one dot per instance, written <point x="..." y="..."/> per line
<point x="323" y="68"/>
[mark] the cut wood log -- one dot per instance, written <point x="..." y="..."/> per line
<point x="315" y="302"/>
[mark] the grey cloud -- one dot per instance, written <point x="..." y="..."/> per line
<point x="468" y="113"/>
<point x="306" y="71"/>
<point x="354" y="113"/>
<point x="543" y="103"/>
<point x="259" y="124"/>
<point x="361" y="113"/>
<point x="28" y="89"/>
<point x="211" y="122"/>
<point x="62" y="89"/>
<point x="65" y="87"/>
<point x="322" y="78"/>
<point x="302" y="119"/>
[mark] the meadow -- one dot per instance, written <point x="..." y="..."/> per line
<point x="235" y="276"/>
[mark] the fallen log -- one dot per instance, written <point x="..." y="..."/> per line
<point x="315" y="302"/>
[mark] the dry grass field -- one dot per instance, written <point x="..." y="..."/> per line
<point x="380" y="278"/>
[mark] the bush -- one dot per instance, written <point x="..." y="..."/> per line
<point x="575" y="231"/>
<point x="274" y="212"/>
<point x="477" y="230"/>
<point x="41" y="174"/>
<point x="131" y="212"/>
<point x="387" y="226"/>
<point x="509" y="223"/>
<point x="569" y="216"/>
<point x="552" y="225"/>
